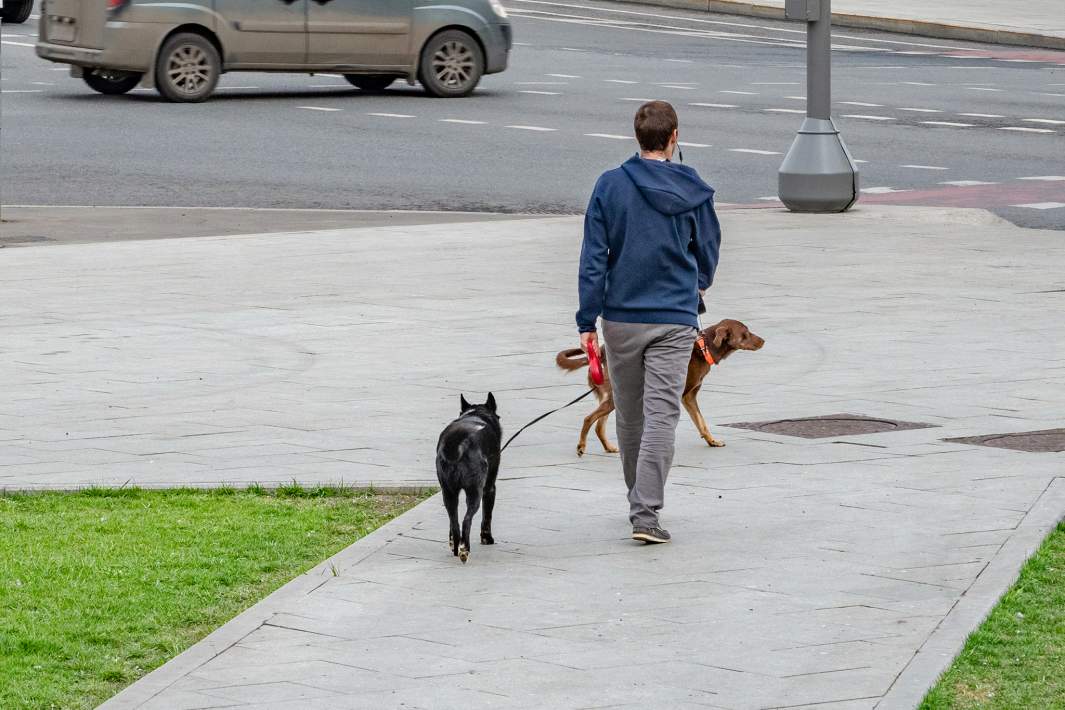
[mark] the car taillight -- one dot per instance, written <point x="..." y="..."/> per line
<point x="116" y="4"/>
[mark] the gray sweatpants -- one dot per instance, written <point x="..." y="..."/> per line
<point x="648" y="364"/>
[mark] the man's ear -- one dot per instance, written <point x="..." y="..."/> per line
<point x="465" y="404"/>
<point x="720" y="335"/>
<point x="491" y="403"/>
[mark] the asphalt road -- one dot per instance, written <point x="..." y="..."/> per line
<point x="934" y="122"/>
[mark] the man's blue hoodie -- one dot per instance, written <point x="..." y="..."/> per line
<point x="651" y="241"/>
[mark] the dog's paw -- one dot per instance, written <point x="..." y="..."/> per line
<point x="464" y="554"/>
<point x="716" y="443"/>
<point x="610" y="448"/>
<point x="580" y="449"/>
<point x="487" y="539"/>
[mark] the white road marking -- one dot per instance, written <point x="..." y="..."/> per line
<point x="745" y="25"/>
<point x="463" y="121"/>
<point x="319" y="108"/>
<point x="881" y="190"/>
<point x="392" y="115"/>
<point x="1044" y="94"/>
<point x="17" y="44"/>
<point x="1042" y="205"/>
<point x="686" y="144"/>
<point x="860" y="103"/>
<point x="967" y="183"/>
<point x="980" y="88"/>
<point x="919" y="83"/>
<point x="742" y="93"/>
<point x="613" y="136"/>
<point x="774" y="83"/>
<point x="1025" y="61"/>
<point x="868" y="118"/>
<point x="21" y="91"/>
<point x="633" y="98"/>
<point x="1047" y="178"/>
<point x="924" y="167"/>
<point x="52" y="83"/>
<point x="676" y="86"/>
<point x="796" y="98"/>
<point x="66" y="69"/>
<point x="564" y="76"/>
<point x="753" y="151"/>
<point x="770" y="198"/>
<point x="860" y="161"/>
<point x="532" y="128"/>
<point x="705" y="105"/>
<point x="681" y="61"/>
<point x="785" y="110"/>
<point x="540" y="93"/>
<point x="253" y="87"/>
<point x="1024" y="129"/>
<point x="951" y="124"/>
<point x="983" y="115"/>
<point x="620" y="81"/>
<point x="921" y="110"/>
<point x="541" y="83"/>
<point x="1048" y="121"/>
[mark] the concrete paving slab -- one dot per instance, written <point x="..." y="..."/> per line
<point x="842" y="572"/>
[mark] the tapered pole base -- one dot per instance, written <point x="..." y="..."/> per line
<point x="818" y="173"/>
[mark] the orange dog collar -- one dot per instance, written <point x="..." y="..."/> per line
<point x="700" y="342"/>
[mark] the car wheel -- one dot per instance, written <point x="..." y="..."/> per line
<point x="371" y="83"/>
<point x="16" y="12"/>
<point x="451" y="64"/>
<point x="188" y="68"/>
<point x="110" y="81"/>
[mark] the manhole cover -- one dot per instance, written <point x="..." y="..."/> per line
<point x="830" y="425"/>
<point x="1047" y="440"/>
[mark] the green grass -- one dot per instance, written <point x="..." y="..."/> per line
<point x="1016" y="659"/>
<point x="99" y="587"/>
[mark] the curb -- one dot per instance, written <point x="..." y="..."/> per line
<point x="247" y="621"/>
<point x="940" y="30"/>
<point x="939" y="650"/>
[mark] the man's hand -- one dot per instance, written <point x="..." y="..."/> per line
<point x="590" y="339"/>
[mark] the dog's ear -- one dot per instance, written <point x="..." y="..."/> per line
<point x="721" y="334"/>
<point x="465" y="404"/>
<point x="491" y="403"/>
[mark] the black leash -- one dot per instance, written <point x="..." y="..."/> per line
<point x="544" y="416"/>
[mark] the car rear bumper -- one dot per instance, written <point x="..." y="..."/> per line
<point x="130" y="46"/>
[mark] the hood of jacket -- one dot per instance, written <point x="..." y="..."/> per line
<point x="671" y="188"/>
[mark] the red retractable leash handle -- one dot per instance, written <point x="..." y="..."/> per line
<point x="595" y="366"/>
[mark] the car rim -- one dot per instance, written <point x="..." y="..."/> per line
<point x="189" y="69"/>
<point x="453" y="65"/>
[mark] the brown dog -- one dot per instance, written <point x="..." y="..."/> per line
<point x="721" y="340"/>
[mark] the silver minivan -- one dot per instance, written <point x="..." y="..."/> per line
<point x="181" y="48"/>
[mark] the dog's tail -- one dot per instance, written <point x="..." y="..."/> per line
<point x="569" y="360"/>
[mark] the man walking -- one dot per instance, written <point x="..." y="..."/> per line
<point x="651" y="240"/>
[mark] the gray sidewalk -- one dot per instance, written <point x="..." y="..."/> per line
<point x="1033" y="23"/>
<point x="843" y="572"/>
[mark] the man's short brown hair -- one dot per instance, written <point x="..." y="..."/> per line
<point x="654" y="123"/>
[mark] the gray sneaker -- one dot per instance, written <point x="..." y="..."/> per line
<point x="652" y="536"/>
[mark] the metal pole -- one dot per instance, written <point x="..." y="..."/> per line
<point x="819" y="65"/>
<point x="818" y="174"/>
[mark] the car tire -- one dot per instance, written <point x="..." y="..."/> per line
<point x="451" y="64"/>
<point x="111" y="82"/>
<point x="16" y="12"/>
<point x="371" y="83"/>
<point x="187" y="68"/>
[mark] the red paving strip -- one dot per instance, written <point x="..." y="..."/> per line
<point x="979" y="196"/>
<point x="983" y="196"/>
<point x="1031" y="55"/>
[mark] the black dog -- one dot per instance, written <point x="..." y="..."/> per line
<point x="467" y="459"/>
